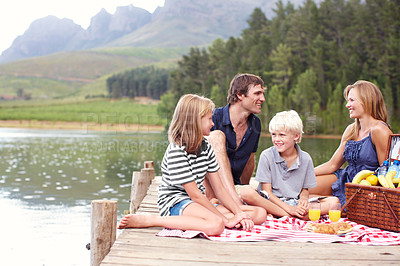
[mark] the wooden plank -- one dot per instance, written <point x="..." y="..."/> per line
<point x="142" y="246"/>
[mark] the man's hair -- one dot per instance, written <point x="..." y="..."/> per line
<point x="240" y="86"/>
<point x="185" y="129"/>
<point x="289" y="121"/>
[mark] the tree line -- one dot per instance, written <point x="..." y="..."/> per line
<point x="306" y="56"/>
<point x="144" y="81"/>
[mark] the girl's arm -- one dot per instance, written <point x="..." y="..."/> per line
<point x="380" y="138"/>
<point x="195" y="195"/>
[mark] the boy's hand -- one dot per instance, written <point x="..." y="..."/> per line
<point x="300" y="210"/>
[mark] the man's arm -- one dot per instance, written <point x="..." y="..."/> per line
<point x="248" y="170"/>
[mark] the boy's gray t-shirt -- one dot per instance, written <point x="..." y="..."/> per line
<point x="272" y="168"/>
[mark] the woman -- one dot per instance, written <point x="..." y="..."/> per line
<point x="363" y="145"/>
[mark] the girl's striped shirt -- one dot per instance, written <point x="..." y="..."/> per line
<point x="178" y="168"/>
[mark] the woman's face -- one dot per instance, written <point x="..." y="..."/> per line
<point x="354" y="105"/>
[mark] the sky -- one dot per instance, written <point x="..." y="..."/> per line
<point x="17" y="15"/>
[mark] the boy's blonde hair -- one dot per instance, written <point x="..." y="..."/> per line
<point x="185" y="129"/>
<point x="288" y="121"/>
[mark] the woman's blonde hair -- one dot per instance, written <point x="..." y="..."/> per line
<point x="372" y="101"/>
<point x="185" y="129"/>
<point x="289" y="121"/>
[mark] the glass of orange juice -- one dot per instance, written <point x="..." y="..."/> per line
<point x="334" y="212"/>
<point x="314" y="211"/>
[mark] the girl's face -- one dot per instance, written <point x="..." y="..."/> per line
<point x="283" y="140"/>
<point x="354" y="105"/>
<point x="206" y="123"/>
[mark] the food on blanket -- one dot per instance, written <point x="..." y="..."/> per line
<point x="373" y="179"/>
<point x="332" y="229"/>
<point x="361" y="176"/>
<point x="341" y="227"/>
<point x="365" y="183"/>
<point x="320" y="228"/>
<point x="382" y="181"/>
<point x="389" y="176"/>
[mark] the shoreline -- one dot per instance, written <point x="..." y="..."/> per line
<point x="64" y="125"/>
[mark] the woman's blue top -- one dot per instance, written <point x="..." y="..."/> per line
<point x="360" y="155"/>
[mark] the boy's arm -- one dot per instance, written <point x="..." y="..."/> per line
<point x="304" y="196"/>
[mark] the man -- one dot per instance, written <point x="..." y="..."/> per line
<point x="236" y="132"/>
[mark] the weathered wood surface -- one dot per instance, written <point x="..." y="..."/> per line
<point x="142" y="247"/>
<point x="104" y="226"/>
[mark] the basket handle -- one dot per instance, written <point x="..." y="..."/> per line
<point x="348" y="201"/>
<point x="390" y="207"/>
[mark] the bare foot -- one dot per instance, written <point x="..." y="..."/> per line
<point x="134" y="221"/>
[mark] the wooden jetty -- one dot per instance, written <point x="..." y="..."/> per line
<point x="143" y="247"/>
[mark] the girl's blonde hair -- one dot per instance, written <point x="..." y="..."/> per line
<point x="372" y="101"/>
<point x="289" y="121"/>
<point x="185" y="129"/>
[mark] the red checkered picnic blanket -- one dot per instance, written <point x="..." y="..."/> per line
<point x="288" y="229"/>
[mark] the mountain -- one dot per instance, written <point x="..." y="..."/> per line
<point x="180" y="23"/>
<point x="194" y="23"/>
<point x="50" y="34"/>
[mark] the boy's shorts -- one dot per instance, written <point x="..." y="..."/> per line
<point x="289" y="201"/>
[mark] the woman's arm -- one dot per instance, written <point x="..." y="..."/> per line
<point x="380" y="138"/>
<point x="336" y="160"/>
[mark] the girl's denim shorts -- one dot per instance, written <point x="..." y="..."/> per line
<point x="178" y="208"/>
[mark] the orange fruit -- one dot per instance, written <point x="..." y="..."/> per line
<point x="372" y="179"/>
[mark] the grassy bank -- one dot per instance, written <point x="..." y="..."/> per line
<point x="93" y="112"/>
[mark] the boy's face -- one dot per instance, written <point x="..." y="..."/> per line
<point x="283" y="140"/>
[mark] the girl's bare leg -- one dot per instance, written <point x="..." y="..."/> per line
<point x="258" y="215"/>
<point x="194" y="217"/>
<point x="324" y="185"/>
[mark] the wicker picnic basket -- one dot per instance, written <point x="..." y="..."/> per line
<point x="375" y="206"/>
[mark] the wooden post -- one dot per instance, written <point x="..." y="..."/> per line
<point x="104" y="229"/>
<point x="140" y="184"/>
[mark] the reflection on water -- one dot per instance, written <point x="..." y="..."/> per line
<point x="49" y="178"/>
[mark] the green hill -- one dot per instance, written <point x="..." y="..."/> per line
<point x="78" y="73"/>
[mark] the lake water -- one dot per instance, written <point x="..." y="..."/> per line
<point x="48" y="179"/>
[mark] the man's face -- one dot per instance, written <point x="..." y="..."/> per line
<point x="254" y="99"/>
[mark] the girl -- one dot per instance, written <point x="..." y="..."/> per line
<point x="364" y="143"/>
<point x="188" y="160"/>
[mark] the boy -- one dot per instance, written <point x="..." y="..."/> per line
<point x="285" y="172"/>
